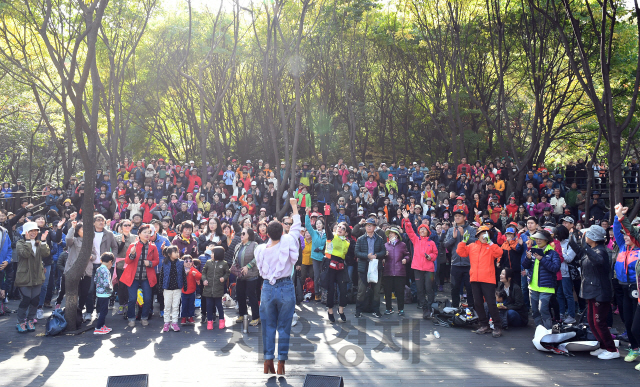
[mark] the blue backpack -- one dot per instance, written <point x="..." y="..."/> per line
<point x="55" y="323"/>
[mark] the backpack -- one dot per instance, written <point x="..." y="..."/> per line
<point x="309" y="286"/>
<point x="463" y="319"/>
<point x="55" y="323"/>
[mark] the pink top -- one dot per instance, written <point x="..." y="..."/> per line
<point x="277" y="261"/>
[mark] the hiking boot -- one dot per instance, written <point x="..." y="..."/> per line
<point x="255" y="323"/>
<point x="483" y="330"/>
<point x="497" y="332"/>
<point x="165" y="328"/>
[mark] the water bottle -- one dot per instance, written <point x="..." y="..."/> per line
<point x="245" y="324"/>
<point x="436" y="334"/>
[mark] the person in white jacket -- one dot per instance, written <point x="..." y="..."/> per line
<point x="558" y="203"/>
<point x="565" y="288"/>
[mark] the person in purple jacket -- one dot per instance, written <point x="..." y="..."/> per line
<point x="395" y="271"/>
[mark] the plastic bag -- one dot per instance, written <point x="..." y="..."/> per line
<point x="372" y="273"/>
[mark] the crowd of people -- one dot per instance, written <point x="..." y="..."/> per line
<point x="161" y="235"/>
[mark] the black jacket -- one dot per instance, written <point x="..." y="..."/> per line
<point x="595" y="273"/>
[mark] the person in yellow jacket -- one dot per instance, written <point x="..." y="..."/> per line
<point x="204" y="206"/>
<point x="391" y="183"/>
<point x="500" y="185"/>
<point x="336" y="249"/>
<point x="303" y="197"/>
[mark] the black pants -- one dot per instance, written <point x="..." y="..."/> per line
<point x="486" y="292"/>
<point x="394" y="284"/>
<point x="102" y="307"/>
<point x="83" y="291"/>
<point x="635" y="326"/>
<point x="628" y="313"/>
<point x="159" y="292"/>
<point x="91" y="296"/>
<point x="459" y="278"/>
<point x="444" y="271"/>
<point x="337" y="277"/>
<point x="123" y="290"/>
<point x="249" y="289"/>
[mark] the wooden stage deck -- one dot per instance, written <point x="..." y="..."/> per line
<point x="366" y="352"/>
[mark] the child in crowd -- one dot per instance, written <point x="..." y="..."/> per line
<point x="215" y="274"/>
<point x="173" y="280"/>
<point x="189" y="292"/>
<point x="102" y="280"/>
<point x="502" y="300"/>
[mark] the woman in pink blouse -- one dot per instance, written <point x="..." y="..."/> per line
<point x="275" y="260"/>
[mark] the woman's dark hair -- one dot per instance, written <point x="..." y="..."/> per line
<point x="76" y="229"/>
<point x="562" y="233"/>
<point x="274" y="230"/>
<point x="218" y="230"/>
<point x="250" y="234"/>
<point x="508" y="273"/>
<point x="143" y="227"/>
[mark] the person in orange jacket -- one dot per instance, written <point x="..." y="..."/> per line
<point x="483" y="254"/>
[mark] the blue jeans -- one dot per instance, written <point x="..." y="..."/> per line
<point x="540" y="308"/>
<point x="188" y="305"/>
<point x="277" y="304"/>
<point x="565" y="297"/>
<point x="133" y="297"/>
<point x="103" y="310"/>
<point x="43" y="289"/>
<point x="514" y="319"/>
<point x="350" y="273"/>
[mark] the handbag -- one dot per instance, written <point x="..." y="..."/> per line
<point x="372" y="272"/>
<point x="336" y="265"/>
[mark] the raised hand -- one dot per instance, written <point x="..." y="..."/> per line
<point x="44" y="235"/>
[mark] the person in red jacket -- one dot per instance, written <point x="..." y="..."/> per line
<point x="189" y="294"/>
<point x="194" y="179"/>
<point x="483" y="254"/>
<point x="425" y="254"/>
<point x="512" y="208"/>
<point x="141" y="259"/>
<point x="147" y="207"/>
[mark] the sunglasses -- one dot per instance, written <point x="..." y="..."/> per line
<point x="188" y="260"/>
<point x="243" y="233"/>
<point x="126" y="225"/>
<point x="289" y="224"/>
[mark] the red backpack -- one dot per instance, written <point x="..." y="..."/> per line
<point x="309" y="286"/>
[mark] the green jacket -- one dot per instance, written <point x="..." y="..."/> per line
<point x="212" y="272"/>
<point x="30" y="270"/>
<point x="571" y="198"/>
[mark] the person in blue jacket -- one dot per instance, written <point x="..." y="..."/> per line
<point x="318" y="243"/>
<point x="5" y="264"/>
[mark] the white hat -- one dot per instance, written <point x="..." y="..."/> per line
<point x="253" y="183"/>
<point x="260" y="161"/>
<point x="248" y="162"/>
<point x="192" y="162"/>
<point x="29" y="226"/>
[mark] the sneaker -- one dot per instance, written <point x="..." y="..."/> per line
<point x="597" y="352"/>
<point x="30" y="326"/>
<point x="358" y="314"/>
<point x="388" y="312"/>
<point x="616" y="311"/>
<point x="162" y="313"/>
<point x="40" y="314"/>
<point x="255" y="323"/>
<point x="426" y="314"/>
<point x="120" y="309"/>
<point x="165" y="328"/>
<point x="497" y="332"/>
<point x="440" y="288"/>
<point x="331" y="317"/>
<point x="22" y="328"/>
<point x="35" y="321"/>
<point x="145" y="323"/>
<point x="637" y="367"/>
<point x="86" y="316"/>
<point x="131" y="324"/>
<point x="100" y="331"/>
<point x="107" y="328"/>
<point x="343" y="317"/>
<point x="175" y="327"/>
<point x="183" y="321"/>
<point x="632" y="355"/>
<point x="606" y="355"/>
<point x="393" y="296"/>
<point x="376" y="314"/>
<point x="569" y="320"/>
<point x="401" y="312"/>
<point x="209" y="325"/>
<point x="57" y="306"/>
<point x="221" y="325"/>
<point x="240" y="319"/>
<point x="191" y="320"/>
<point x="624" y="336"/>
